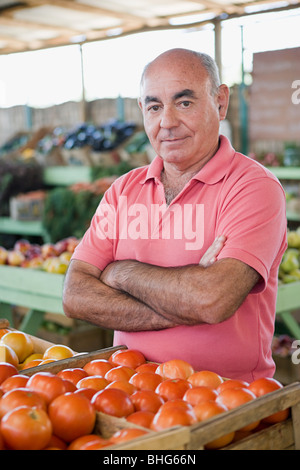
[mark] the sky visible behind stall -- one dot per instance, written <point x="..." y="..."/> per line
<point x="113" y="67"/>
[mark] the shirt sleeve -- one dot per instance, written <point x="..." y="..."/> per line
<point x="97" y="244"/>
<point x="253" y="218"/>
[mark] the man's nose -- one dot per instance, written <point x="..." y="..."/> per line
<point x="169" y="118"/>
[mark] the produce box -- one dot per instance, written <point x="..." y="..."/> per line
<point x="279" y="436"/>
<point x="27" y="206"/>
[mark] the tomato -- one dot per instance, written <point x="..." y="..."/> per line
<point x="119" y="373"/>
<point x="123" y="385"/>
<point x="19" y="397"/>
<point x="205" y="378"/>
<point x="206" y="410"/>
<point x="266" y="385"/>
<point x="82" y="441"/>
<point x="26" y="428"/>
<point x="71" y="416"/>
<point x="3" y="331"/>
<point x="20" y="342"/>
<point x="168" y="416"/>
<point x="1" y="442"/>
<point x="175" y="369"/>
<point x="7" y="354"/>
<point x="178" y="402"/>
<point x="15" y="381"/>
<point x="57" y="443"/>
<point x="95" y="382"/>
<point x="147" y="367"/>
<point x="98" y="367"/>
<point x="69" y="386"/>
<point x="146" y="400"/>
<point x="47" y="384"/>
<point x="7" y="370"/>
<point x="73" y="375"/>
<point x="145" y="380"/>
<point x="96" y="445"/>
<point x="58" y="352"/>
<point x="127" y="434"/>
<point x="232" y="383"/>
<point x="141" y="418"/>
<point x="113" y="401"/>
<point x="234" y="397"/>
<point x="172" y="388"/>
<point x="33" y="363"/>
<point x="197" y="395"/>
<point x="86" y="392"/>
<point x="128" y="357"/>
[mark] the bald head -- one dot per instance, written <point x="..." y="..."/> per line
<point x="188" y="59"/>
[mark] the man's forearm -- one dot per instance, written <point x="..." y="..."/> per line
<point x="85" y="297"/>
<point x="189" y="294"/>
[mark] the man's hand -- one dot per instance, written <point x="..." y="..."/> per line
<point x="211" y="254"/>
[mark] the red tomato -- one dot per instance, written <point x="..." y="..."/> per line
<point x="86" y="392"/>
<point x="205" y="378"/>
<point x="206" y="410"/>
<point x="81" y="442"/>
<point x="71" y="416"/>
<point x="141" y="418"/>
<point x="175" y="369"/>
<point x="178" y="402"/>
<point x="146" y="400"/>
<point x="113" y="401"/>
<point x="266" y="385"/>
<point x="26" y="428"/>
<point x="21" y="397"/>
<point x="123" y="385"/>
<point x="127" y="434"/>
<point x="169" y="416"/>
<point x="197" y="395"/>
<point x="7" y="370"/>
<point x="234" y="397"/>
<point x="57" y="443"/>
<point x="15" y="381"/>
<point x="119" y="373"/>
<point x="232" y="383"/>
<point x="98" y="367"/>
<point x="73" y="375"/>
<point x="48" y="385"/>
<point x="145" y="380"/>
<point x="96" y="382"/>
<point x="147" y="367"/>
<point x="128" y="357"/>
<point x="172" y="388"/>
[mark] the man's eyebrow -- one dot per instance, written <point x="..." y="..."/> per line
<point x="187" y="92"/>
<point x="151" y="99"/>
<point x="180" y="94"/>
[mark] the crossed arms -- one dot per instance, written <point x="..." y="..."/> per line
<point x="132" y="296"/>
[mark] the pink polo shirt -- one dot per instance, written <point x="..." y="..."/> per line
<point x="231" y="195"/>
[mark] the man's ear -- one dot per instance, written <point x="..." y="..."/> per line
<point x="223" y="101"/>
<point x="140" y="104"/>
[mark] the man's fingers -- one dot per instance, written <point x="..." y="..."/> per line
<point x="210" y="256"/>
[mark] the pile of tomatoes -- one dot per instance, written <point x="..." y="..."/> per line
<point x="59" y="411"/>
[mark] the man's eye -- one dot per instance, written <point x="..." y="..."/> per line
<point x="155" y="107"/>
<point x="185" y="104"/>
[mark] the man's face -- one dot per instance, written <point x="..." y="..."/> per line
<point x="181" y="116"/>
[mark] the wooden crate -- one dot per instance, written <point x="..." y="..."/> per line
<point x="280" y="436"/>
<point x="284" y="435"/>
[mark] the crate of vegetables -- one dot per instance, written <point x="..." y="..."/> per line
<point x="142" y="405"/>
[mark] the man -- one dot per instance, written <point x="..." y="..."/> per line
<point x="139" y="270"/>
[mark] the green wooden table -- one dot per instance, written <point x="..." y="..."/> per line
<point x="35" y="289"/>
<point x="42" y="292"/>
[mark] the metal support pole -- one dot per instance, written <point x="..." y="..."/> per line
<point x="218" y="45"/>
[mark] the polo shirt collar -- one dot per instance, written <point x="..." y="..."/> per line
<point x="212" y="172"/>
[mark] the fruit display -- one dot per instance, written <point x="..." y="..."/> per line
<point x="62" y="407"/>
<point x="50" y="257"/>
<point x="289" y="270"/>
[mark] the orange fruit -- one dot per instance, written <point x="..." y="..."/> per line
<point x="20" y="342"/>
<point x="58" y="351"/>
